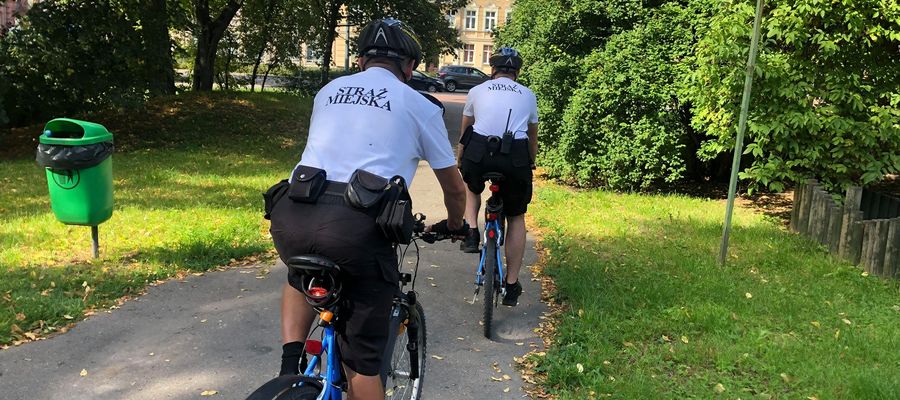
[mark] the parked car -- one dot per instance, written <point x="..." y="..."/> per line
<point x="420" y="81"/>
<point x="461" y="77"/>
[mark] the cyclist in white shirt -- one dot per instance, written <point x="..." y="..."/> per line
<point x="497" y="112"/>
<point x="371" y="122"/>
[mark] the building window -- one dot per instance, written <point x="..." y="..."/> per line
<point x="488" y="51"/>
<point x="471" y="19"/>
<point x="490" y="20"/>
<point x="451" y="17"/>
<point x="312" y="55"/>
<point x="468" y="53"/>
<point x="508" y="16"/>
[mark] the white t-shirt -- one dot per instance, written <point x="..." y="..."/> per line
<point x="372" y="121"/>
<point x="493" y="101"/>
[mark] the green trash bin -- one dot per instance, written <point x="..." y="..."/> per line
<point x="77" y="157"/>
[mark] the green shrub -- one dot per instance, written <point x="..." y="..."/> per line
<point x="826" y="92"/>
<point x="623" y="128"/>
<point x="70" y="57"/>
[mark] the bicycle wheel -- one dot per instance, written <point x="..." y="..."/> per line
<point x="489" y="280"/>
<point x="399" y="362"/>
<point x="281" y="388"/>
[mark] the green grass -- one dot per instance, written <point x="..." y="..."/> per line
<point x="188" y="176"/>
<point x="649" y="314"/>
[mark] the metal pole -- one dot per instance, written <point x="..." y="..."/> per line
<point x="95" y="238"/>
<point x="742" y="126"/>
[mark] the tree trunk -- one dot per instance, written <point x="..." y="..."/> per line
<point x="266" y="37"/>
<point x="334" y="15"/>
<point x="158" y="47"/>
<point x="266" y="76"/>
<point x="211" y="32"/>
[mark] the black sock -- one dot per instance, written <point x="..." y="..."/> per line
<point x="291" y="357"/>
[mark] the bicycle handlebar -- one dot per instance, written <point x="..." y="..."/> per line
<point x="427" y="237"/>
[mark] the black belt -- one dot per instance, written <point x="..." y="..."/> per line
<point x="334" y="195"/>
<point x="479" y="138"/>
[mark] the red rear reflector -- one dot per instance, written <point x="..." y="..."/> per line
<point x="492" y="217"/>
<point x="318" y="292"/>
<point x="495" y="188"/>
<point x="313" y="347"/>
<point x="491" y="234"/>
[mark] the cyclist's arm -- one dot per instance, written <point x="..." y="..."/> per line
<point x="532" y="141"/>
<point x="454" y="195"/>
<point x="467" y="121"/>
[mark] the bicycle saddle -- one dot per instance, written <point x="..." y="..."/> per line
<point x="492" y="176"/>
<point x="313" y="264"/>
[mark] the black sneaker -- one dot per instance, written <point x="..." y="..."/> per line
<point x="513" y="291"/>
<point x="470" y="244"/>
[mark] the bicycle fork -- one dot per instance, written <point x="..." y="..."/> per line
<point x="494" y="233"/>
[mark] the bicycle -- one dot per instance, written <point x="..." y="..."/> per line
<point x="491" y="259"/>
<point x="401" y="376"/>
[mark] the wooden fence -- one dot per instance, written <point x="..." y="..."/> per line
<point x="865" y="230"/>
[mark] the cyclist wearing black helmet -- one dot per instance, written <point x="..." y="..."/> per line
<point x="499" y="134"/>
<point x="369" y="124"/>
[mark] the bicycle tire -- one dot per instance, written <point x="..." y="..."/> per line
<point x="281" y="388"/>
<point x="397" y="358"/>
<point x="489" y="281"/>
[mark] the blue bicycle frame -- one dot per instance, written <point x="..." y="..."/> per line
<point x="332" y="376"/>
<point x="498" y="238"/>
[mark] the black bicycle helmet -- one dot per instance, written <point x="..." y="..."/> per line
<point x="389" y="38"/>
<point x="506" y="58"/>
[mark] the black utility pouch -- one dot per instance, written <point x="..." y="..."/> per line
<point x="395" y="218"/>
<point x="271" y="196"/>
<point x="467" y="136"/>
<point x="307" y="185"/>
<point x="365" y="189"/>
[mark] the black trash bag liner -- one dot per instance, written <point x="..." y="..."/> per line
<point x="72" y="157"/>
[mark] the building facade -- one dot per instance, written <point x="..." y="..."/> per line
<point x="475" y="23"/>
<point x="11" y="10"/>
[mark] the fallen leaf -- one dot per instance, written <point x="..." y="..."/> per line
<point x="83" y="372"/>
<point x="460" y="338"/>
<point x="837" y="333"/>
<point x="847" y="321"/>
<point x="506" y="390"/>
<point x="209" y="392"/>
<point x="520" y="343"/>
<point x="202" y="321"/>
<point x="495" y="379"/>
<point x="785" y="378"/>
<point x="580" y="368"/>
<point x="666" y="338"/>
<point x="864" y="273"/>
<point x="151" y="354"/>
<point x="506" y="377"/>
<point x="748" y="295"/>
<point x="437" y="357"/>
<point x="67" y="316"/>
<point x="20" y="317"/>
<point x="580" y="312"/>
<point x="684" y="339"/>
<point x="719" y="388"/>
<point x="816" y="324"/>
<point x="628" y="344"/>
<point x="812" y="398"/>
<point x="606" y="362"/>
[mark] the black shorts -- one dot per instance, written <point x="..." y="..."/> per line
<point x="369" y="275"/>
<point x="481" y="156"/>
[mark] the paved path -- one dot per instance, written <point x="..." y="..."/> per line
<point x="219" y="331"/>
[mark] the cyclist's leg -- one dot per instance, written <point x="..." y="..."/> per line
<point x="473" y="204"/>
<point x="363" y="387"/>
<point x="515" y="246"/>
<point x="296" y="318"/>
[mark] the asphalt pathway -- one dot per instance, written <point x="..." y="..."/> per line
<point x="219" y="331"/>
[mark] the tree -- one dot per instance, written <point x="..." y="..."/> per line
<point x="208" y="34"/>
<point x="157" y="46"/>
<point x="273" y="28"/>
<point x="71" y="57"/>
<point x="425" y="17"/>
<point x="826" y="95"/>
